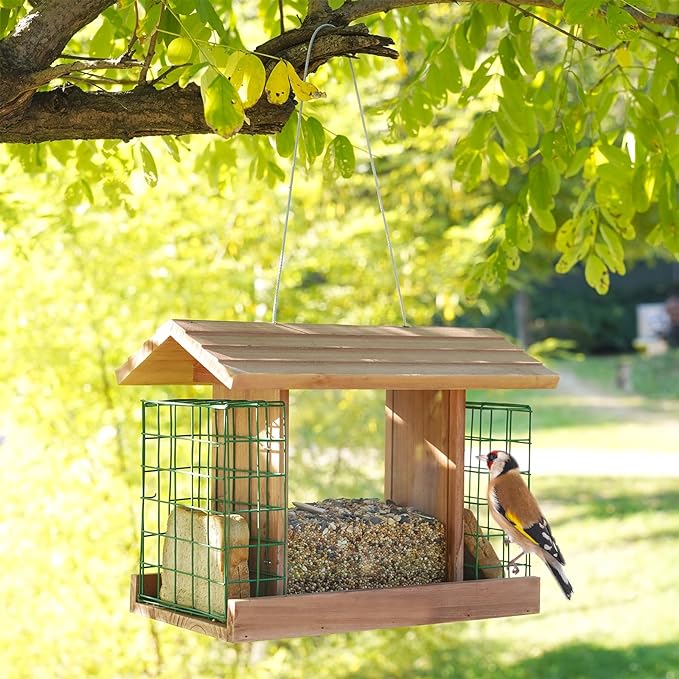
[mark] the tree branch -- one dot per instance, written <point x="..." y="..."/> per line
<point x="353" y="10"/>
<point x="73" y="114"/>
<point x="42" y="34"/>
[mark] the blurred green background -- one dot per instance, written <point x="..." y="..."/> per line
<point x="85" y="287"/>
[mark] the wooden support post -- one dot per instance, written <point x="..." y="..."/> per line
<point x="424" y="460"/>
<point x="243" y="494"/>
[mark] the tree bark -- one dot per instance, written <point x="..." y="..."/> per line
<point x="71" y="113"/>
<point x="27" y="55"/>
<point x="42" y="34"/>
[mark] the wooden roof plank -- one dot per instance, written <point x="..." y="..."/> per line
<point x="339" y="330"/>
<point x="398" y="382"/>
<point x="266" y="355"/>
<point x="211" y="339"/>
<point x="332" y="356"/>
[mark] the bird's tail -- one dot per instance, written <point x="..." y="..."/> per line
<point x="560" y="575"/>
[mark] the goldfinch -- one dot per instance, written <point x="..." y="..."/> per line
<point x="517" y="512"/>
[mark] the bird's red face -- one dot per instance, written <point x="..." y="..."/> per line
<point x="490" y="458"/>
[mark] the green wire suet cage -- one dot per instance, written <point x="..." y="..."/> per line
<point x="214" y="499"/>
<point x="493" y="426"/>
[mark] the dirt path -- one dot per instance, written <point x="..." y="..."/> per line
<point x="625" y="406"/>
<point x="598" y="461"/>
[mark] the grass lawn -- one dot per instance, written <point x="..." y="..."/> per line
<point x="588" y="411"/>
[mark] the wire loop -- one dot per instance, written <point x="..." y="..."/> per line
<point x="374" y="173"/>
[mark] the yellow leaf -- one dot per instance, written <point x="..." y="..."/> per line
<point x="623" y="57"/>
<point x="304" y="91"/>
<point x="278" y="84"/>
<point x="252" y="75"/>
<point x="222" y="107"/>
<point x="231" y="71"/>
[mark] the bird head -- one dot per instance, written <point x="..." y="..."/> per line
<point x="498" y="461"/>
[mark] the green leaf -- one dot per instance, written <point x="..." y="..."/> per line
<point x="172" y="147"/>
<point x="656" y="236"/>
<point x="477" y="32"/>
<point x="209" y="15"/>
<point x="566" y="235"/>
<point x="544" y="219"/>
<point x="179" y="51"/>
<point x="344" y="153"/>
<point x="436" y="83"/>
<point x="512" y="257"/>
<point x="465" y="52"/>
<point x="473" y="175"/>
<point x="613" y="242"/>
<point x="643" y="187"/>
<point x="518" y="111"/>
<point x="499" y="268"/>
<point x="616" y="156"/>
<point x="577" y="11"/>
<point x="339" y="158"/>
<point x="508" y="58"/>
<point x="450" y="67"/>
<point x="169" y="27"/>
<point x="596" y="274"/>
<point x="285" y="139"/>
<point x="194" y="74"/>
<point x="620" y="22"/>
<point x="522" y="47"/>
<point x="577" y="161"/>
<point x="524" y="234"/>
<point x="148" y="165"/>
<point x="539" y="187"/>
<point x="566" y="262"/>
<point x="554" y="174"/>
<point x="184" y="7"/>
<point x="498" y="164"/>
<point x="151" y="19"/>
<point x="478" y="137"/>
<point x="102" y="41"/>
<point x="222" y="107"/>
<point x="646" y="104"/>
<point x="195" y="27"/>
<point x="314" y="138"/>
<point x="512" y="225"/>
<point x="514" y="144"/>
<point x="478" y="81"/>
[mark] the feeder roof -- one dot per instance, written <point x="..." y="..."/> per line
<point x="243" y="355"/>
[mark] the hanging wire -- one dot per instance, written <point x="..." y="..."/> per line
<point x="292" y="175"/>
<point x="374" y="173"/>
<point x="379" y="197"/>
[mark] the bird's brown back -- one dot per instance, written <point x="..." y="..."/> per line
<point x="512" y="491"/>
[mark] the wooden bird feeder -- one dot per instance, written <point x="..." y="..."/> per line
<point x="424" y="372"/>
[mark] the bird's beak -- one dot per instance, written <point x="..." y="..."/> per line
<point x="483" y="458"/>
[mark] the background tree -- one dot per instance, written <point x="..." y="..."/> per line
<point x="585" y="90"/>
